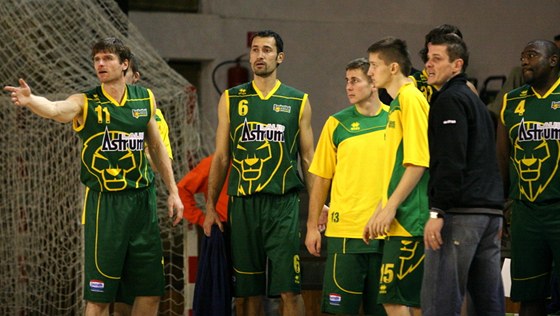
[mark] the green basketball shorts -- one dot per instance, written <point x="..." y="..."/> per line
<point x="122" y="245"/>
<point x="265" y="241"/>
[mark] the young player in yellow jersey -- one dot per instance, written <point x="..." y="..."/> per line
<point x="348" y="159"/>
<point x="403" y="211"/>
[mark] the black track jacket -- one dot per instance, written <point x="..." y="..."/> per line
<point x="464" y="174"/>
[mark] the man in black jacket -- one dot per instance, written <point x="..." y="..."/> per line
<point x="462" y="236"/>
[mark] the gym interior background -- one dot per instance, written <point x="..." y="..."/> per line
<point x="206" y="42"/>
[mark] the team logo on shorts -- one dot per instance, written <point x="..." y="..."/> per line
<point x="335" y="299"/>
<point x="96" y="285"/>
<point x="382" y="289"/>
<point x="409" y="260"/>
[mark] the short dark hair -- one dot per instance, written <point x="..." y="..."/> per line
<point x="456" y="47"/>
<point x="359" y="63"/>
<point x="438" y="31"/>
<point x="393" y="50"/>
<point x="269" y="33"/>
<point x="557" y="37"/>
<point x="111" y="45"/>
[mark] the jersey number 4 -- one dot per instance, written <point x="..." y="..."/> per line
<point x="520" y="109"/>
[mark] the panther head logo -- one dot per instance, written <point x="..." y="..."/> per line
<point x="253" y="159"/>
<point x="113" y="175"/>
<point x="530" y="158"/>
<point x="111" y="167"/>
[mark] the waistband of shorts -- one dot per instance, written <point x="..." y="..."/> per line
<point x="268" y="195"/>
<point x="126" y="191"/>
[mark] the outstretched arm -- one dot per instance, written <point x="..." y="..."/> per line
<point x="61" y="111"/>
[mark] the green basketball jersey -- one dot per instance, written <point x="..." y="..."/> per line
<point x="113" y="135"/>
<point x="532" y="122"/>
<point x="420" y="79"/>
<point x="264" y="142"/>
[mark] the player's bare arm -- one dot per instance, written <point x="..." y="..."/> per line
<point x="317" y="198"/>
<point x="163" y="164"/>
<point x="306" y="144"/>
<point x="383" y="220"/>
<point x="367" y="235"/>
<point x="322" y="223"/>
<point x="219" y="167"/>
<point x="61" y="111"/>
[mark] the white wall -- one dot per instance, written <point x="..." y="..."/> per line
<point x="321" y="36"/>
